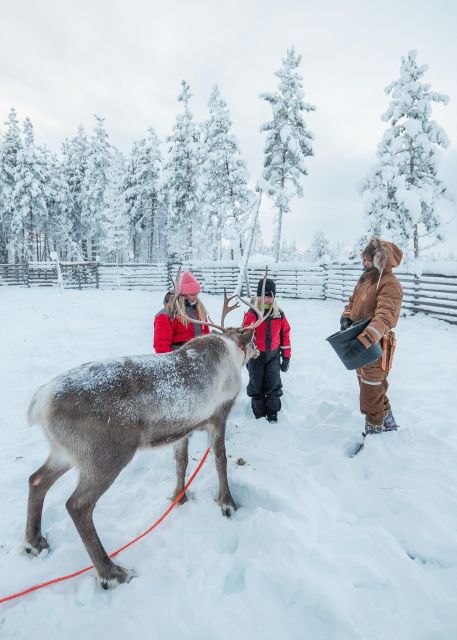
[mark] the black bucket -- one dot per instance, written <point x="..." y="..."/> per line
<point x="340" y="339"/>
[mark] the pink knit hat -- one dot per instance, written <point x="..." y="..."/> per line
<point x="188" y="284"/>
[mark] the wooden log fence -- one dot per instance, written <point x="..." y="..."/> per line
<point x="433" y="294"/>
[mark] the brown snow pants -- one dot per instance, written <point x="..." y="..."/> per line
<point x="373" y="385"/>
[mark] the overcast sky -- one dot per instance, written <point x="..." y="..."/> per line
<point x="62" y="61"/>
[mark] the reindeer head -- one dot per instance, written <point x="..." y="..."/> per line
<point x="242" y="336"/>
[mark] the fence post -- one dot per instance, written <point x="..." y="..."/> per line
<point x="417" y="285"/>
<point x="97" y="276"/>
<point x="324" y="281"/>
<point x="26" y="274"/>
<point x="343" y="282"/>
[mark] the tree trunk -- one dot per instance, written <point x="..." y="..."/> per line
<point x="30" y="242"/>
<point x="416" y="241"/>
<point x="277" y="247"/>
<point x="280" y="215"/>
<point x="151" y="231"/>
<point x="247" y="253"/>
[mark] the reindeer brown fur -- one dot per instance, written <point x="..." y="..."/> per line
<point x="98" y="415"/>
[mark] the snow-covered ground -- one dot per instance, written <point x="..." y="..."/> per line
<point x="322" y="547"/>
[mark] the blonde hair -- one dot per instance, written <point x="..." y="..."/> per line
<point x="256" y="301"/>
<point x="177" y="308"/>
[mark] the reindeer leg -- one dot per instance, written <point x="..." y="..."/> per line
<point x="39" y="484"/>
<point x="181" y="449"/>
<point x="225" y="500"/>
<point x="92" y="485"/>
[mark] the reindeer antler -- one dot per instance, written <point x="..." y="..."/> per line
<point x="227" y="308"/>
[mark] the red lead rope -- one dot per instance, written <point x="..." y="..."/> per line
<point x="115" y="553"/>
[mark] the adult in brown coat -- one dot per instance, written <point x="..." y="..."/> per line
<point x="378" y="294"/>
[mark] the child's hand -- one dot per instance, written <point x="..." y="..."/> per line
<point x="284" y="364"/>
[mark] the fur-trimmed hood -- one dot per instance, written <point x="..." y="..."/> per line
<point x="384" y="255"/>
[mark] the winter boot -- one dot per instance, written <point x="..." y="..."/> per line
<point x="272" y="416"/>
<point x="372" y="427"/>
<point x="389" y="423"/>
<point x="259" y="408"/>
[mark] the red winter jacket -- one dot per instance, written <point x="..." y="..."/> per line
<point x="272" y="333"/>
<point x="172" y="331"/>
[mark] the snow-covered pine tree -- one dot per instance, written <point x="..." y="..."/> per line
<point x="288" y="141"/>
<point x="226" y="196"/>
<point x="320" y="248"/>
<point x="30" y="214"/>
<point x="402" y="189"/>
<point x="10" y="146"/>
<point x="142" y="197"/>
<point x="74" y="168"/>
<point x="94" y="188"/>
<point x="182" y="175"/>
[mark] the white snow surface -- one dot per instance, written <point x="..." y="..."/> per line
<point x="322" y="546"/>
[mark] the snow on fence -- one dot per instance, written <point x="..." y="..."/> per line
<point x="432" y="293"/>
<point x="150" y="277"/>
<point x="291" y="281"/>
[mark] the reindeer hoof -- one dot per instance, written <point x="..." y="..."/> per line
<point x="182" y="500"/>
<point x="36" y="547"/>
<point x="120" y="576"/>
<point x="228" y="509"/>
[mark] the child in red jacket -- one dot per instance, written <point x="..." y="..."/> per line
<point x="273" y="341"/>
<point x="170" y="331"/>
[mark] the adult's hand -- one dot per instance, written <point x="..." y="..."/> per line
<point x="284" y="366"/>
<point x="345" y="323"/>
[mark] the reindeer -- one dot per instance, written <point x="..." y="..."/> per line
<point x="98" y="415"/>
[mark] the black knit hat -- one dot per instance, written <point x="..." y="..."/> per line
<point x="270" y="288"/>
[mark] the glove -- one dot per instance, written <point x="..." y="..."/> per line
<point x="284" y="364"/>
<point x="345" y="323"/>
<point x="353" y="349"/>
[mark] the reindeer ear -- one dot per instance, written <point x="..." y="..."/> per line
<point x="244" y="337"/>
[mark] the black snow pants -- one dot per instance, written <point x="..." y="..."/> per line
<point x="265" y="387"/>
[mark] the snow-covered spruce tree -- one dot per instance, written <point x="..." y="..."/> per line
<point x="57" y="224"/>
<point x="320" y="248"/>
<point x="74" y="168"/>
<point x="288" y="141"/>
<point x="10" y="145"/>
<point x="142" y="200"/>
<point x="226" y="196"/>
<point x="94" y="187"/>
<point x="356" y="251"/>
<point x="339" y="252"/>
<point x="30" y="214"/>
<point x="402" y="189"/>
<point x="115" y="239"/>
<point x="289" y="251"/>
<point x="182" y="174"/>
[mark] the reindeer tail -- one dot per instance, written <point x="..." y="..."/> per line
<point x="37" y="405"/>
